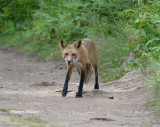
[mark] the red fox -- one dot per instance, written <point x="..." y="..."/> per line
<point x="82" y="55"/>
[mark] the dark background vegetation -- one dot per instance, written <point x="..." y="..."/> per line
<point x="117" y="26"/>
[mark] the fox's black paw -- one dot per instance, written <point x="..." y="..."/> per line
<point x="96" y="86"/>
<point x="79" y="95"/>
<point x="64" y="93"/>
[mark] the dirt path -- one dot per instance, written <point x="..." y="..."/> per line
<point x="30" y="96"/>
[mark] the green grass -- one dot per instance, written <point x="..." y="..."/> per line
<point x="154" y="76"/>
<point x="34" y="119"/>
<point x="110" y="52"/>
<point x="4" y="110"/>
<point x="20" y="121"/>
<point x="155" y="106"/>
<point x="153" y="79"/>
<point x="24" y="42"/>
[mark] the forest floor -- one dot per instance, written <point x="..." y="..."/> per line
<point x="30" y="96"/>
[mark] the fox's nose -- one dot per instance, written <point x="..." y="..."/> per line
<point x="69" y="62"/>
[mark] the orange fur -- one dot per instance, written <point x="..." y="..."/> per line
<point x="82" y="55"/>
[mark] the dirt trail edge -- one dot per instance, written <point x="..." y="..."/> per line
<point x="30" y="95"/>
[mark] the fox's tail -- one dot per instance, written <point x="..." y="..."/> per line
<point x="88" y="73"/>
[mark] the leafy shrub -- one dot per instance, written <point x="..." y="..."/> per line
<point x="16" y="14"/>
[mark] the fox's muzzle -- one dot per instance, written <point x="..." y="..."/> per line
<point x="69" y="62"/>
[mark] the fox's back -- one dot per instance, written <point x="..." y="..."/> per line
<point x="90" y="49"/>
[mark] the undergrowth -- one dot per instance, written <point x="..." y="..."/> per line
<point x="117" y="26"/>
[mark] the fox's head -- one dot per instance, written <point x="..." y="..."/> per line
<point x="70" y="53"/>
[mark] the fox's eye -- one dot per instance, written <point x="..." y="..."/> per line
<point x="66" y="54"/>
<point x="73" y="54"/>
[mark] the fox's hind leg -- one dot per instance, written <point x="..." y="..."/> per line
<point x="96" y="76"/>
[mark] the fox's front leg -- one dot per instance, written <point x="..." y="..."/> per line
<point x="68" y="76"/>
<point x="80" y="88"/>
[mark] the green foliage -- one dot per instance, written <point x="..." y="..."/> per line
<point x="155" y="106"/>
<point x="105" y="16"/>
<point x="16" y="14"/>
<point x="39" y="25"/>
<point x="153" y="78"/>
<point x="59" y="19"/>
<point x="144" y="28"/>
<point x="3" y="110"/>
<point x="154" y="75"/>
<point x="111" y="49"/>
<point x="117" y="26"/>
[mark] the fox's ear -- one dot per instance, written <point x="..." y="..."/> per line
<point x="78" y="44"/>
<point x="63" y="44"/>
